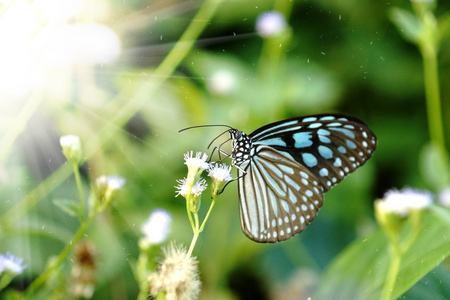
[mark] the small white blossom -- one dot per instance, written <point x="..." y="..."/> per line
<point x="444" y="197"/>
<point x="11" y="263"/>
<point x="115" y="182"/>
<point x="222" y="82"/>
<point x="197" y="162"/>
<point x="157" y="227"/>
<point x="71" y="148"/>
<point x="69" y="140"/>
<point x="401" y="202"/>
<point x="182" y="187"/>
<point x="199" y="187"/>
<point x="220" y="173"/>
<point x="270" y="23"/>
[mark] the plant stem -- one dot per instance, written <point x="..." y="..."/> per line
<point x="207" y="214"/>
<point x="76" y="172"/>
<point x="36" y="284"/>
<point x="431" y="79"/>
<point x="194" y="241"/>
<point x="391" y="278"/>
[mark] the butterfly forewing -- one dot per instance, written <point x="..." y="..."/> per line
<point x="278" y="196"/>
<point x="330" y="146"/>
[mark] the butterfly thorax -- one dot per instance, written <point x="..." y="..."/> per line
<point x="242" y="146"/>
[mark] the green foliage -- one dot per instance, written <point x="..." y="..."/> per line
<point x="362" y="58"/>
<point x="359" y="272"/>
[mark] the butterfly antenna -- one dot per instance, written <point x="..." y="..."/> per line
<point x="200" y="126"/>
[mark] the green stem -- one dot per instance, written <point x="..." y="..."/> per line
<point x="188" y="209"/>
<point x="194" y="241"/>
<point x="38" y="282"/>
<point x="431" y="78"/>
<point x="391" y="278"/>
<point x="207" y="214"/>
<point x="76" y="172"/>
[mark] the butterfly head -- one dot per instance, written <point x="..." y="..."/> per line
<point x="242" y="146"/>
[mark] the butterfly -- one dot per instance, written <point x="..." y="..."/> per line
<point x="284" y="168"/>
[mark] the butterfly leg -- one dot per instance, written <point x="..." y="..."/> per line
<point x="219" y="151"/>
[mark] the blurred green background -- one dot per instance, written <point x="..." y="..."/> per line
<point x="92" y="68"/>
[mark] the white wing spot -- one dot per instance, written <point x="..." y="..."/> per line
<point x="304" y="207"/>
<point x="314" y="125"/>
<point x="304" y="181"/>
<point x="293" y="217"/>
<point x="323" y="172"/>
<point x="309" y="193"/>
<point x="304" y="175"/>
<point x="302" y="219"/>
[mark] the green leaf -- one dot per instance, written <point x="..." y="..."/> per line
<point x="407" y="24"/>
<point x="359" y="272"/>
<point x="433" y="166"/>
<point x="70" y="207"/>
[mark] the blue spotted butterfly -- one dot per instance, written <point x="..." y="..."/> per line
<point x="284" y="169"/>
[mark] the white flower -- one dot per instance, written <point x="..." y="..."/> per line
<point x="402" y="202"/>
<point x="11" y="263"/>
<point x="69" y="140"/>
<point x="157" y="227"/>
<point x="220" y="173"/>
<point x="222" y="82"/>
<point x="199" y="187"/>
<point x="182" y="187"/>
<point x="115" y="182"/>
<point x="270" y="23"/>
<point x="197" y="162"/>
<point x="71" y="146"/>
<point x="444" y="197"/>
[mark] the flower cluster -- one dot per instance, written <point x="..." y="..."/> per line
<point x="10" y="263"/>
<point x="270" y="23"/>
<point x="71" y="146"/>
<point x="403" y="202"/>
<point x="219" y="174"/>
<point x="157" y="227"/>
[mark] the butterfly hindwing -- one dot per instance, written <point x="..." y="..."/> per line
<point x="278" y="197"/>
